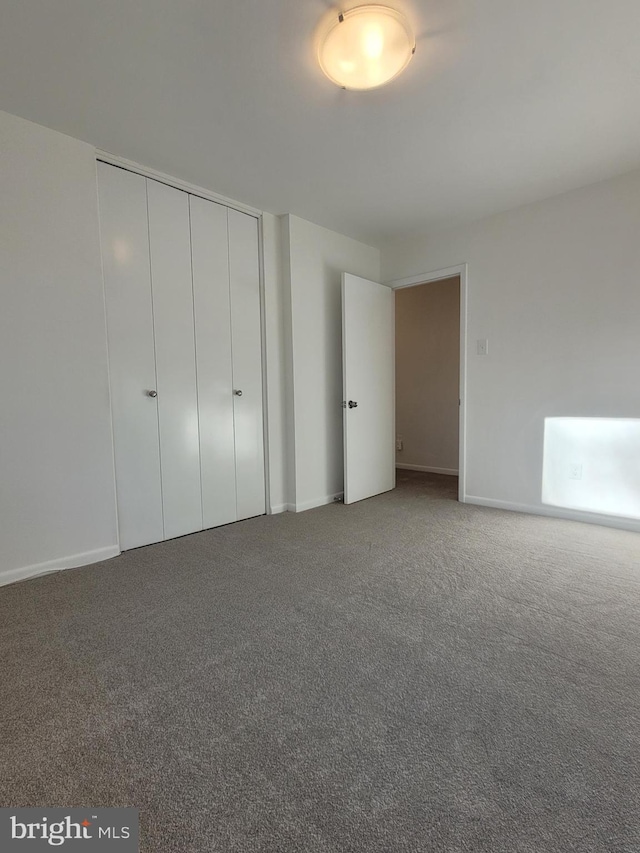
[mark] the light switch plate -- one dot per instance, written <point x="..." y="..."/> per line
<point x="483" y="346"/>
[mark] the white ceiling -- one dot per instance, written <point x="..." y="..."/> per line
<point x="505" y="102"/>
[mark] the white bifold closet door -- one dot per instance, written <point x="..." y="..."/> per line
<point x="210" y="252"/>
<point x="170" y="253"/>
<point x="132" y="365"/>
<point x="226" y="281"/>
<point x="183" y="317"/>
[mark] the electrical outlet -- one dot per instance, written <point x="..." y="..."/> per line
<point x="398" y="444"/>
<point x="575" y="471"/>
<point x="482" y="346"/>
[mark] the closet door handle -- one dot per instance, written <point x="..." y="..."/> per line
<point x="238" y="393"/>
<point x="152" y="393"/>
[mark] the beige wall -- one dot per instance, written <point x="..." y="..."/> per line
<point x="427" y="374"/>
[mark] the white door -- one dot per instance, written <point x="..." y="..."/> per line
<point x="368" y="358"/>
<point x="244" y="278"/>
<point x="127" y="278"/>
<point x="210" y="257"/>
<point x="173" y="321"/>
<point x="182" y="287"/>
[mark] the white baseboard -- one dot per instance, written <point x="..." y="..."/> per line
<point x="72" y="562"/>
<point x="278" y="508"/>
<point x="558" y="512"/>
<point x="452" y="472"/>
<point x="323" y="501"/>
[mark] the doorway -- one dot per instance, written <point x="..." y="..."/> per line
<point x="369" y="393"/>
<point x="427" y="371"/>
<point x="430" y="350"/>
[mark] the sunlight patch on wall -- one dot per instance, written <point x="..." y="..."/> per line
<point x="593" y="465"/>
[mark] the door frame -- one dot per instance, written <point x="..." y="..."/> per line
<point x="437" y="275"/>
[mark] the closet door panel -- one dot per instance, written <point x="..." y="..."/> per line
<point x="127" y="278"/>
<point x="210" y="259"/>
<point x="170" y="248"/>
<point x="244" y="277"/>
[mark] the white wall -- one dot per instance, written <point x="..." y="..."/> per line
<point x="428" y="375"/>
<point x="315" y="259"/>
<point x="57" y="493"/>
<point x="554" y="286"/>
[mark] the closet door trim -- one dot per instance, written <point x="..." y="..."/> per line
<point x="263" y="361"/>
<point x="176" y="183"/>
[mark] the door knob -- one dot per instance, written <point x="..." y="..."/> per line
<point x="352" y="404"/>
<point x="238" y="393"/>
<point x="152" y="393"/>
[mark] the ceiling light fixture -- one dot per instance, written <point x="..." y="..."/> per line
<point x="365" y="47"/>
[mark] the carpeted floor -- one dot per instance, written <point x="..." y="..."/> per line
<point x="404" y="674"/>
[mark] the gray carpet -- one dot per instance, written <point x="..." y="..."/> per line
<point x="405" y="674"/>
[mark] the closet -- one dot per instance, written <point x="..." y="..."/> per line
<point x="183" y="321"/>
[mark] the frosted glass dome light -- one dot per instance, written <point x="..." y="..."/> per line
<point x="366" y="47"/>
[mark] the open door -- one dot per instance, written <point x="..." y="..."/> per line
<point x="368" y="371"/>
